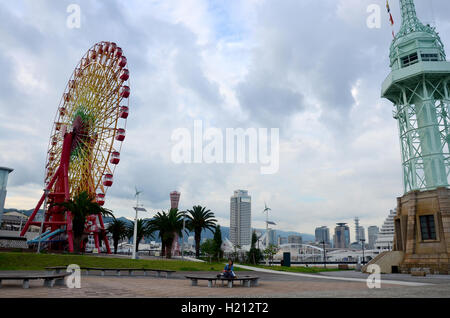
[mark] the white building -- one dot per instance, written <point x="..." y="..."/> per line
<point x="240" y="218"/>
<point x="385" y="237"/>
<point x="4" y="172"/>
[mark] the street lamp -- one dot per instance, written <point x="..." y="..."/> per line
<point x="363" y="243"/>
<point x="182" y="236"/>
<point x="324" y="254"/>
<point x="137" y="209"/>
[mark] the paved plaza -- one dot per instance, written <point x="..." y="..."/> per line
<point x="271" y="285"/>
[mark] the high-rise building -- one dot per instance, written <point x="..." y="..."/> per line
<point x="282" y="240"/>
<point x="357" y="239"/>
<point x="272" y="237"/>
<point x="240" y="218"/>
<point x="372" y="232"/>
<point x="341" y="236"/>
<point x="322" y="234"/>
<point x="360" y="233"/>
<point x="294" y="239"/>
<point x="385" y="238"/>
<point x="4" y="172"/>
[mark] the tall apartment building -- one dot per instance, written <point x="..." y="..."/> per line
<point x="341" y="236"/>
<point x="294" y="239"/>
<point x="272" y="237"/>
<point x="322" y="233"/>
<point x="373" y="235"/>
<point x="240" y="218"/>
<point x="282" y="240"/>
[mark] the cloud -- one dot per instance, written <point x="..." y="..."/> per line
<point x="311" y="68"/>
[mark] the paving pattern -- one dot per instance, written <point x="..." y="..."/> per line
<point x="271" y="285"/>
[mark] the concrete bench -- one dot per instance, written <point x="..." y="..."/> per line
<point x="248" y="281"/>
<point x="49" y="279"/>
<point x="131" y="271"/>
<point x="418" y="273"/>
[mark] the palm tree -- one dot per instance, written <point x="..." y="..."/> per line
<point x="200" y="219"/>
<point x="143" y="230"/>
<point x="118" y="229"/>
<point x="81" y="206"/>
<point x="168" y="224"/>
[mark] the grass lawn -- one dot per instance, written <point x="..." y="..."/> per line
<point x="297" y="269"/>
<point x="32" y="261"/>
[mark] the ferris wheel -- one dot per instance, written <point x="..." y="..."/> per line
<point x="95" y="106"/>
<point x="87" y="135"/>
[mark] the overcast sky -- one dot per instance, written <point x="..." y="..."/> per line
<point x="311" y="68"/>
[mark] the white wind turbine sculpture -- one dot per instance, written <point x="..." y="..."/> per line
<point x="266" y="211"/>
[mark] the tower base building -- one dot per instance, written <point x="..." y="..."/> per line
<point x="422" y="231"/>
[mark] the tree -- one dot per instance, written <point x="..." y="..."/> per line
<point x="200" y="219"/>
<point x="254" y="255"/>
<point x="208" y="248"/>
<point x="81" y="206"/>
<point x="218" y="253"/>
<point x="168" y="224"/>
<point x="118" y="230"/>
<point x="270" y="252"/>
<point x="143" y="230"/>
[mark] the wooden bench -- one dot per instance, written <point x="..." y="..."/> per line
<point x="248" y="281"/>
<point x="58" y="269"/>
<point x="49" y="279"/>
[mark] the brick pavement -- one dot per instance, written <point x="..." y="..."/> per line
<point x="112" y="287"/>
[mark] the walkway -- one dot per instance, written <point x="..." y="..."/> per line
<point x="349" y="279"/>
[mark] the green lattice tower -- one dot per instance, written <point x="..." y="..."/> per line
<point x="418" y="85"/>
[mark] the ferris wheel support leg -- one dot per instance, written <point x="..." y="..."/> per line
<point x="108" y="249"/>
<point x="70" y="240"/>
<point x="97" y="242"/>
<point x="38" y="206"/>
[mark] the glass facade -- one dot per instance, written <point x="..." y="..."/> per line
<point x="240" y="218"/>
<point x="4" y="172"/>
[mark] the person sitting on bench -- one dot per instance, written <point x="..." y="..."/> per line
<point x="228" y="271"/>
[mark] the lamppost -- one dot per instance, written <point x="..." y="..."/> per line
<point x="324" y="254"/>
<point x="182" y="236"/>
<point x="137" y="209"/>
<point x="363" y="243"/>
